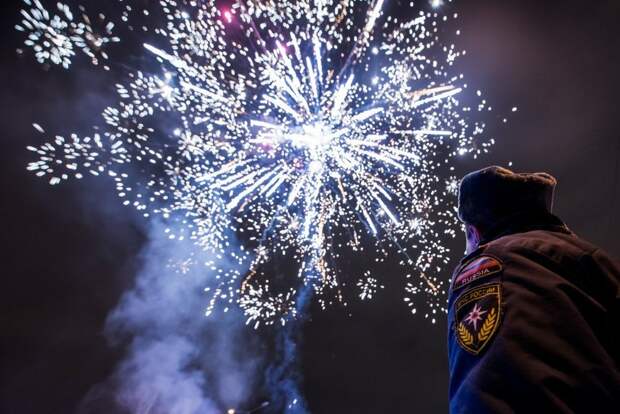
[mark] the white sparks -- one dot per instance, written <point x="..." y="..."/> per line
<point x="287" y="126"/>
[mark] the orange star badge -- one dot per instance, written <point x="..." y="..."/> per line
<point x="477" y="316"/>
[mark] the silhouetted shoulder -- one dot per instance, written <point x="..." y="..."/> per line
<point x="553" y="244"/>
<point x="577" y="261"/>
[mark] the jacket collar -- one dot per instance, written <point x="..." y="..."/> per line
<point x="522" y="222"/>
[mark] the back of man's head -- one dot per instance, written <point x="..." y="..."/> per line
<point x="494" y="194"/>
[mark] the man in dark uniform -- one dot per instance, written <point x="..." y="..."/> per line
<point x="534" y="310"/>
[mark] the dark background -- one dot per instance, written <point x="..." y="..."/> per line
<point x="67" y="256"/>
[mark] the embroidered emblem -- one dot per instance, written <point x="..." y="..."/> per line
<point x="477" y="268"/>
<point x="477" y="316"/>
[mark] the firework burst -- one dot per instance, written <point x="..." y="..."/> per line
<point x="319" y="133"/>
<point x="55" y="37"/>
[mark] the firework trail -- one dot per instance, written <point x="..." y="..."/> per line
<point x="314" y="131"/>
<point x="283" y="374"/>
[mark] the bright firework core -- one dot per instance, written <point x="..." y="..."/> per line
<point x="321" y="132"/>
<point x="312" y="136"/>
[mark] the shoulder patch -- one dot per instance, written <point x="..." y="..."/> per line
<point x="475" y="269"/>
<point x="477" y="316"/>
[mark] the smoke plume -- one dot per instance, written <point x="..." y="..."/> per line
<point x="178" y="360"/>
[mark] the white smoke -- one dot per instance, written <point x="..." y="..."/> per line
<point x="178" y="360"/>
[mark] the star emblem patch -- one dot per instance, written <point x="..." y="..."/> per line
<point x="477" y="316"/>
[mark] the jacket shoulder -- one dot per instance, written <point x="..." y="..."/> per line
<point x="556" y="246"/>
<point x="566" y="258"/>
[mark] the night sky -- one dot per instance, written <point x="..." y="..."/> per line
<point x="69" y="252"/>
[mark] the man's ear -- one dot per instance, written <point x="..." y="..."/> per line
<point x="472" y="234"/>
